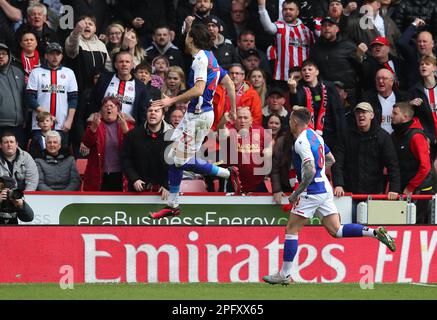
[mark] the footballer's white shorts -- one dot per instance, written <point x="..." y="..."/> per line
<point x="190" y="134"/>
<point x="309" y="204"/>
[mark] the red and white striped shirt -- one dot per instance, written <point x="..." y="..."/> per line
<point x="292" y="47"/>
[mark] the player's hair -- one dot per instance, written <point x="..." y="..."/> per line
<point x="296" y="2"/>
<point x="201" y="36"/>
<point x="302" y="114"/>
<point x="309" y="63"/>
<point x="405" y="108"/>
<point x="41" y="116"/>
<point x="428" y="60"/>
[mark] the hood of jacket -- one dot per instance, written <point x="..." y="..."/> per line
<point x="5" y="69"/>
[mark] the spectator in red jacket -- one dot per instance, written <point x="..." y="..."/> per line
<point x="104" y="137"/>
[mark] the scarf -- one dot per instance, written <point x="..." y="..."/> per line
<point x="29" y="63"/>
<point x="318" y="125"/>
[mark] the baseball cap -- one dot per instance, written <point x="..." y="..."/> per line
<point x="340" y="1"/>
<point x="212" y="19"/>
<point x="330" y="20"/>
<point x="365" y="106"/>
<point x="250" y="52"/>
<point x="380" y="40"/>
<point x="4" y="47"/>
<point x="54" y="46"/>
<point x="277" y="90"/>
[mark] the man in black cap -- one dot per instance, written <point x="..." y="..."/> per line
<point x="251" y="60"/>
<point x="275" y="101"/>
<point x="335" y="56"/>
<point x="223" y="49"/>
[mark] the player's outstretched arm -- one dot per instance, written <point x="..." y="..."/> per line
<point x="195" y="92"/>
<point x="308" y="173"/>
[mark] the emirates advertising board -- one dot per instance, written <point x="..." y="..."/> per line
<point x="139" y="254"/>
<point x="87" y="209"/>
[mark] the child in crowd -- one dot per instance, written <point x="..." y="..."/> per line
<point x="160" y="66"/>
<point x="37" y="144"/>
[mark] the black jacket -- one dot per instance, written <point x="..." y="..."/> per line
<point x="143" y="157"/>
<point x="336" y="61"/>
<point x="140" y="105"/>
<point x="408" y="10"/>
<point x="423" y="112"/>
<point x="371" y="66"/>
<point x="360" y="161"/>
<point x="155" y="14"/>
<point x="225" y="53"/>
<point x="171" y="52"/>
<point x="408" y="49"/>
<point x="335" y="121"/>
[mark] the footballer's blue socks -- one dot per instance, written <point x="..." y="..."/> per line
<point x="290" y="250"/>
<point x="199" y="166"/>
<point x="354" y="230"/>
<point x="174" y="183"/>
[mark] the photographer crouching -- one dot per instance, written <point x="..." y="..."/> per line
<point x="12" y="204"/>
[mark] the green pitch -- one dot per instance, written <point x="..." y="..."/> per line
<point x="227" y="291"/>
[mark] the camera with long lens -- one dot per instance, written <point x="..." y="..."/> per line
<point x="15" y="194"/>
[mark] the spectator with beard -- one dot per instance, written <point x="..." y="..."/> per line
<point x="223" y="49"/>
<point x="336" y="57"/>
<point x="162" y="45"/>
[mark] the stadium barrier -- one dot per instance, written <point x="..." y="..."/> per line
<point x="98" y="208"/>
<point x="113" y="254"/>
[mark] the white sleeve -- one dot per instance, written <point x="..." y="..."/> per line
<point x="72" y="83"/>
<point x="32" y="84"/>
<point x="200" y="68"/>
<point x="303" y="149"/>
<point x="267" y="24"/>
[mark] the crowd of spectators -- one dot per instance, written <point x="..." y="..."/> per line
<point x="85" y="92"/>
